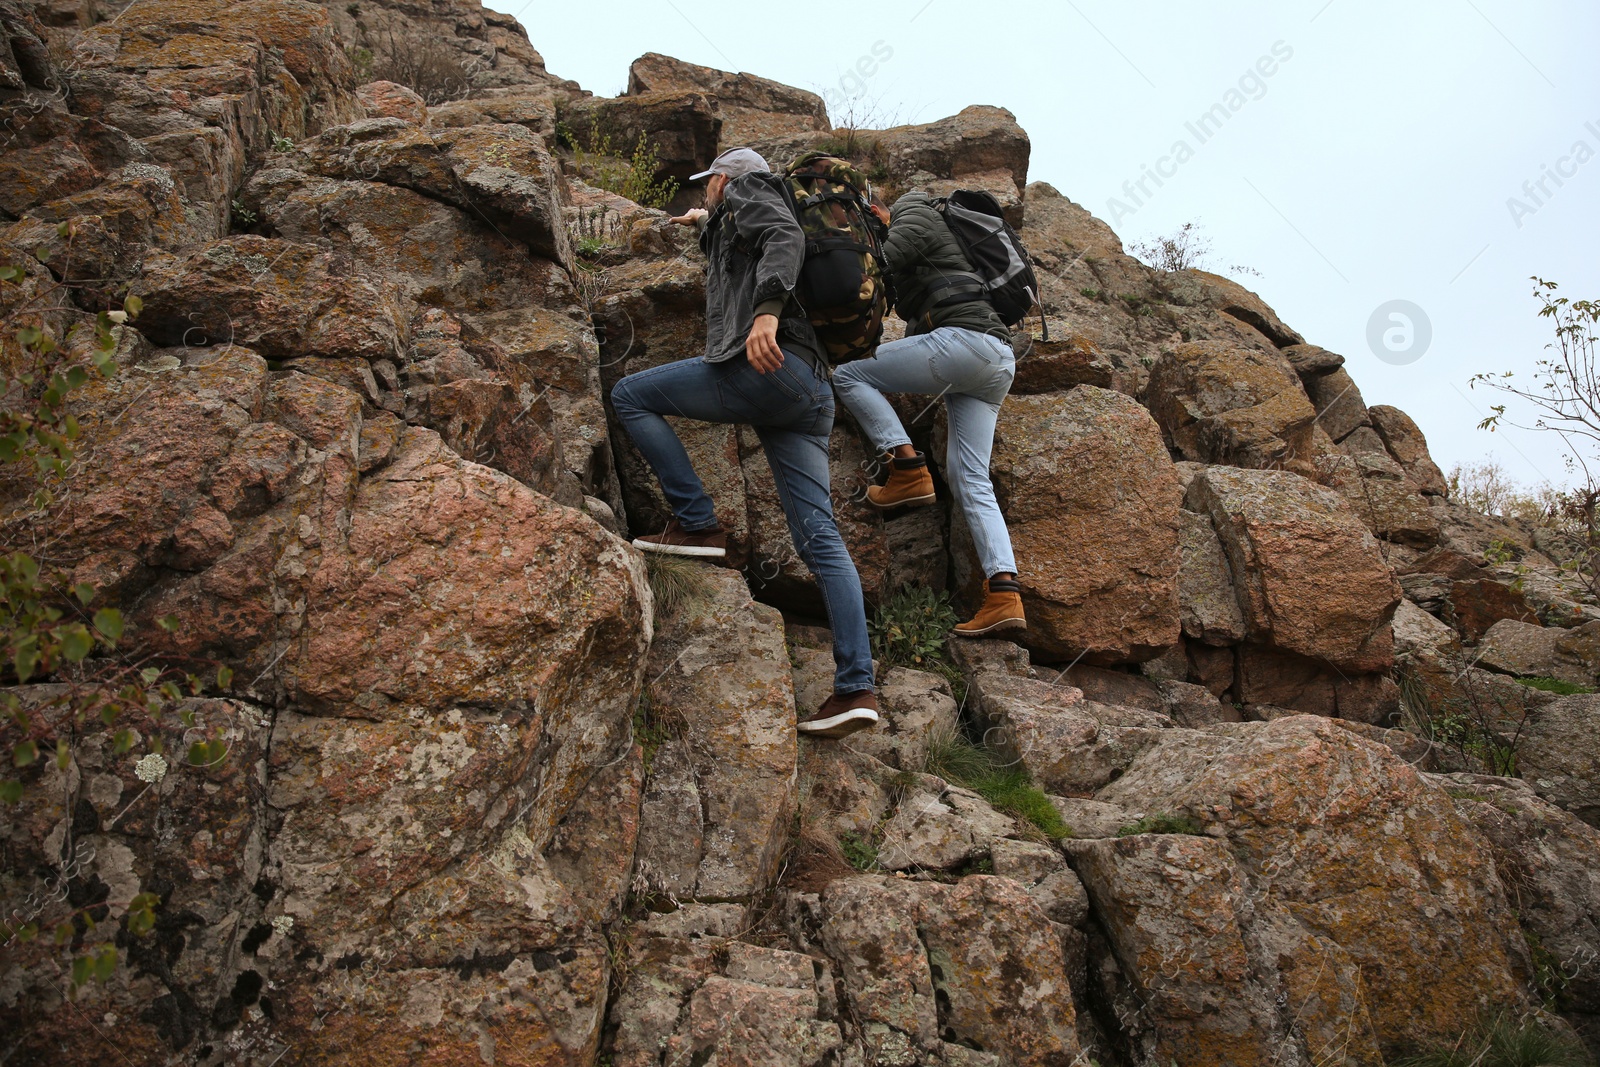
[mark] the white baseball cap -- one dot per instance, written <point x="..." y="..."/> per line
<point x="734" y="162"/>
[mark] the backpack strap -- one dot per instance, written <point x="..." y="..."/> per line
<point x="959" y="287"/>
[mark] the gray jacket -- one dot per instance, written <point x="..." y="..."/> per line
<point x="754" y="249"/>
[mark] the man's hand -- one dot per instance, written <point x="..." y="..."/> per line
<point x="761" y="347"/>
<point x="690" y="217"/>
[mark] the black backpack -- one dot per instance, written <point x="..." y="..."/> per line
<point x="843" y="285"/>
<point x="1004" y="274"/>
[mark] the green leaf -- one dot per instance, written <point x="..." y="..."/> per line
<point x="150" y="674"/>
<point x="109" y="622"/>
<point x="24" y="753"/>
<point x="123" y="742"/>
<point x="75" y="642"/>
<point x="82" y="968"/>
<point x="171" y="691"/>
<point x="28" y="932"/>
<point x="64" y="932"/>
<point x="25" y="658"/>
<point x="11" y="273"/>
<point x="141" y="922"/>
<point x="84" y="592"/>
<point x="224" y="677"/>
<point x="168" y="623"/>
<point x="11" y="791"/>
<point x="199" y="754"/>
<point x="132" y="305"/>
<point x="105" y="963"/>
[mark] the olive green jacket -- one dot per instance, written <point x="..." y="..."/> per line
<point x="920" y="251"/>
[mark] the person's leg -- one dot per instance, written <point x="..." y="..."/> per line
<point x="687" y="388"/>
<point x="799" y="462"/>
<point x="972" y="419"/>
<point x="902" y="366"/>
<point x="971" y="442"/>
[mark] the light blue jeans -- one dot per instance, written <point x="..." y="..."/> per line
<point x="791" y="410"/>
<point x="972" y="371"/>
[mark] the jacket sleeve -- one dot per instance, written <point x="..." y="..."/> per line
<point x="766" y="223"/>
<point x="911" y="220"/>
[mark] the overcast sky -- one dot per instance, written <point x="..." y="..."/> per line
<point x="1376" y="161"/>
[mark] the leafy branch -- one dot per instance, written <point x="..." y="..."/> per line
<point x="47" y="630"/>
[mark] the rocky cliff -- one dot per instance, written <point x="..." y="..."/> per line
<point x="487" y="801"/>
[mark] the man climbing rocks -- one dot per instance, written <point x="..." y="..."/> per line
<point x="763" y="367"/>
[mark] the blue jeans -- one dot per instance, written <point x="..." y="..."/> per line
<point x="791" y="410"/>
<point x="972" y="371"/>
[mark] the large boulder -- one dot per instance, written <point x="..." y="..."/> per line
<point x="502" y="175"/>
<point x="721" y="787"/>
<point x="683" y="127"/>
<point x="1209" y="962"/>
<point x="1310" y="577"/>
<point x="1207" y="599"/>
<point x="280" y="298"/>
<point x="751" y="108"/>
<point x="1224" y="403"/>
<point x="444" y="659"/>
<point x="496" y="345"/>
<point x="1202" y="288"/>
<point x="1379" y="491"/>
<point x="1340" y="409"/>
<point x="1362" y="873"/>
<point x="255" y="70"/>
<point x="1540" y="651"/>
<point x="977" y="140"/>
<point x="1408" y="447"/>
<point x="1092" y="501"/>
<point x="1555" y="752"/>
<point x="1550" y="862"/>
<point x="926" y="967"/>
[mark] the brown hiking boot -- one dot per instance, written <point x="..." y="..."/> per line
<point x="909" y="485"/>
<point x="842" y="715"/>
<point x="1001" y="610"/>
<point x="676" y="541"/>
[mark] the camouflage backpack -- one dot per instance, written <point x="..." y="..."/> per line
<point x="844" y="285"/>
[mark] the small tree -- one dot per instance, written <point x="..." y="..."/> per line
<point x="1564" y="391"/>
<point x="1186" y="248"/>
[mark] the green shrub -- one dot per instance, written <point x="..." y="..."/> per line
<point x="859" y="852"/>
<point x="910" y="627"/>
<point x="958" y="761"/>
<point x="633" y="177"/>
<point x="1503" y="1040"/>
<point x="1013" y="791"/>
<point x="1163" y="823"/>
<point x="955" y="759"/>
